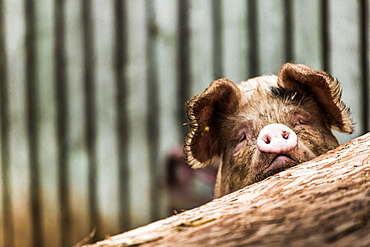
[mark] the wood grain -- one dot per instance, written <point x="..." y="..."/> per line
<point x="323" y="201"/>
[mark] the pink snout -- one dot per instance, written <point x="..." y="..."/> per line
<point x="276" y="138"/>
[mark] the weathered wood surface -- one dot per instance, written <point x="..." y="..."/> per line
<point x="325" y="201"/>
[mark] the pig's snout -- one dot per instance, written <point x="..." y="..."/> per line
<point x="276" y="138"/>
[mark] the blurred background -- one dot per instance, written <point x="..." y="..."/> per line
<point x="92" y="96"/>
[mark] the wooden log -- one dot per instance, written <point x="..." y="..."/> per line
<point x="325" y="201"/>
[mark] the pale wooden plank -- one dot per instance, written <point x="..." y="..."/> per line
<point x="288" y="209"/>
<point x="271" y="43"/>
<point x="344" y="23"/>
<point x="235" y="40"/>
<point x="50" y="208"/>
<point x="137" y="108"/>
<point x="19" y="150"/>
<point x="307" y="33"/>
<point x="166" y="41"/>
<point x="107" y="170"/>
<point x="78" y="157"/>
<point x="201" y="47"/>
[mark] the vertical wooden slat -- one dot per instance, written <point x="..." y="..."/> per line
<point x="235" y="41"/>
<point x="62" y="124"/>
<point x="344" y="22"/>
<point x="201" y="45"/>
<point x="122" y="113"/>
<point x="78" y="157"/>
<point x="90" y="112"/>
<point x="364" y="60"/>
<point x="105" y="117"/>
<point x="325" y="28"/>
<point x="166" y="44"/>
<point x="183" y="65"/>
<point x="288" y="32"/>
<point x="32" y="121"/>
<point x="6" y="217"/>
<point x="307" y="34"/>
<point x="272" y="50"/>
<point x="138" y="108"/>
<point x="153" y="108"/>
<point x="253" y="38"/>
<point x="217" y="33"/>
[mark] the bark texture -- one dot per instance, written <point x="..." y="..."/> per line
<point x="325" y="201"/>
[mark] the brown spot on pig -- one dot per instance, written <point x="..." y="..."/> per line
<point x="264" y="125"/>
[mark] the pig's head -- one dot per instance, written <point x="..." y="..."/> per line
<point x="264" y="125"/>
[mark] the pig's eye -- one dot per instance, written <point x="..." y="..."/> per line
<point x="299" y="119"/>
<point x="241" y="141"/>
<point x="302" y="121"/>
<point x="242" y="138"/>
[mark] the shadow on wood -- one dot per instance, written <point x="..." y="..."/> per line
<point x="323" y="201"/>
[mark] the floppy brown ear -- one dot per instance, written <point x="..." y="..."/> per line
<point x="326" y="89"/>
<point x="205" y="113"/>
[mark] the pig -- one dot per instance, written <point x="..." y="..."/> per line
<point x="187" y="188"/>
<point x="264" y="125"/>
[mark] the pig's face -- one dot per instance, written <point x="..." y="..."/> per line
<point x="264" y="125"/>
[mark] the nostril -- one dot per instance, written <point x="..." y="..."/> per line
<point x="285" y="135"/>
<point x="267" y="139"/>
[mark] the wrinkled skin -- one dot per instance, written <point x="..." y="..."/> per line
<point x="300" y="106"/>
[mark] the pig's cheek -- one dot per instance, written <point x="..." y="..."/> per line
<point x="302" y="153"/>
<point x="239" y="147"/>
<point x="313" y="142"/>
<point x="245" y="156"/>
<point x="257" y="163"/>
<point x="240" y="153"/>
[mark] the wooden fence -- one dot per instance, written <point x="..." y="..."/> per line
<point x="92" y="96"/>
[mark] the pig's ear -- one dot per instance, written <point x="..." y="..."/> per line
<point x="326" y="89"/>
<point x="206" y="112"/>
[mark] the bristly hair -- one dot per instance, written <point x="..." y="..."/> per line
<point x="287" y="96"/>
